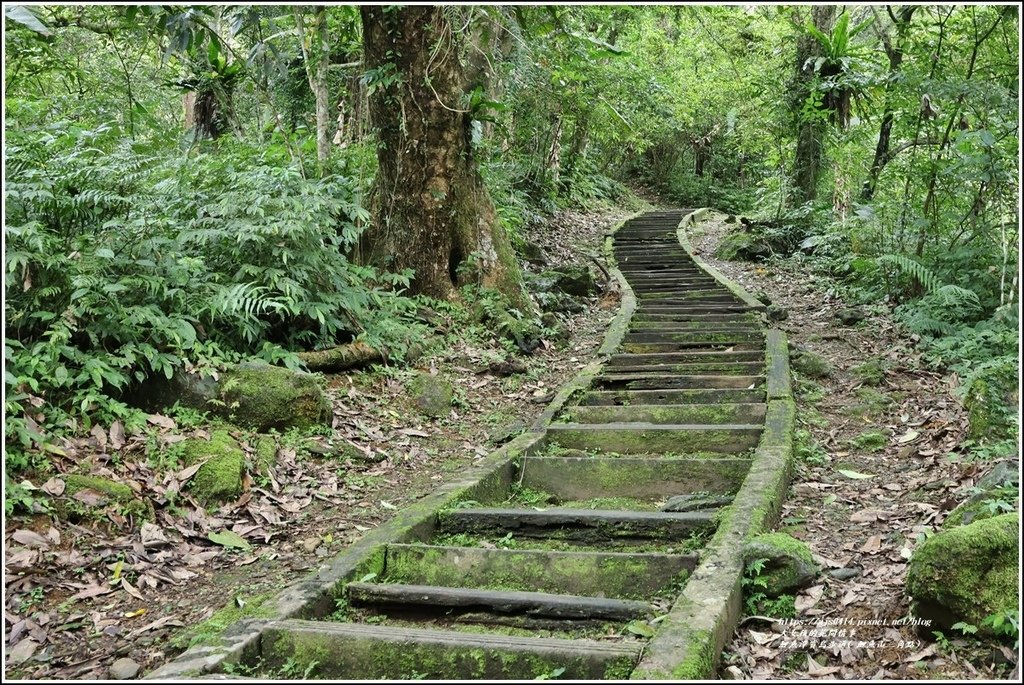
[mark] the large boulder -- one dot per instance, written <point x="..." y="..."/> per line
<point x="967" y="573"/>
<point x="575" y="280"/>
<point x="788" y="563"/>
<point x="991" y="401"/>
<point x="742" y="246"/>
<point x="252" y="395"/>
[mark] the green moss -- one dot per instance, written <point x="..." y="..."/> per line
<point x="699" y="662"/>
<point x="118" y="492"/>
<point x="220" y="478"/>
<point x="871" y="372"/>
<point x="431" y="394"/>
<point x="967" y="573"/>
<point x="262" y="397"/>
<point x="265" y="447"/>
<point x="811" y="365"/>
<point x="209" y="631"/>
<point x="786" y="564"/>
<point x="870" y="441"/>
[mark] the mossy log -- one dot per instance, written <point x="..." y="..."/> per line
<point x="341" y="358"/>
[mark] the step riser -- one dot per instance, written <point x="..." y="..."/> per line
<point x="580" y="478"/>
<point x="651" y="360"/>
<point x="590" y="527"/>
<point x="658" y="348"/>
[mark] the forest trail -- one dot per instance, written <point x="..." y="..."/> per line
<point x="560" y="561"/>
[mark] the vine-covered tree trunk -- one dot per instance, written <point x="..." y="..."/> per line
<point x="810" y="127"/>
<point x="316" y="56"/>
<point x="432" y="212"/>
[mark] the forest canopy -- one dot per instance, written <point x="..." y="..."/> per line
<point x="191" y="186"/>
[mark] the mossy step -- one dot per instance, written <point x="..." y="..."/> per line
<point x="696" y="368"/>
<point x="633" y="438"/>
<point x="356" y="651"/>
<point x="675" y="396"/>
<point x="617" y="575"/>
<point x="677" y="298"/>
<point x="572" y="478"/>
<point x="692" y="309"/>
<point x="752" y="413"/>
<point x="436" y="599"/>
<point x="582" y="525"/>
<point x="618" y="361"/>
<point x="687" y="326"/>
<point x="646" y="315"/>
<point x="661" y="347"/>
<point x="652" y="381"/>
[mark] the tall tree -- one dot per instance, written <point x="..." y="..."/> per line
<point x="811" y="122"/>
<point x="432" y="212"/>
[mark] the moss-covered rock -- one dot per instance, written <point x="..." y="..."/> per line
<point x="743" y="246"/>
<point x="871" y="372"/>
<point x="220" y="478"/>
<point x="997" y="492"/>
<point x="431" y="394"/>
<point x="967" y="573"/>
<point x="788" y="563"/>
<point x="810" y="364"/>
<point x="119" y="492"/>
<point x="265" y="449"/>
<point x="263" y="397"/>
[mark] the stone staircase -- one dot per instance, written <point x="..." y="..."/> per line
<point x="561" y="561"/>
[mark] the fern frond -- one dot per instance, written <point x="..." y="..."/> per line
<point x="923" y="274"/>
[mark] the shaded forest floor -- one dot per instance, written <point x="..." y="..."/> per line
<point x="81" y="595"/>
<point x="874" y="470"/>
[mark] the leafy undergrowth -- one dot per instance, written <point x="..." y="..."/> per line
<point x="861" y="503"/>
<point x="86" y="589"/>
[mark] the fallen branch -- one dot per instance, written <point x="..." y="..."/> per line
<point x="341" y="357"/>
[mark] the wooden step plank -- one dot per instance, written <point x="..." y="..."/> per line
<point x="675" y="381"/>
<point x="617" y="361"/>
<point x="748" y="413"/>
<point x="346" y="651"/>
<point x="620" y="575"/>
<point x="538" y="604"/>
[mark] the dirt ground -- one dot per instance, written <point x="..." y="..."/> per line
<point x="81" y="595"/>
<point x="859" y="500"/>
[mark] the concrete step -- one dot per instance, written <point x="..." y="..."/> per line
<point x="702" y="368"/>
<point x="664" y="347"/>
<point x="647" y="336"/>
<point x="668" y="381"/>
<point x="591" y="526"/>
<point x="618" y="361"/>
<point x="752" y="413"/>
<point x="345" y="651"/>
<point x="650" y="438"/>
<point x="438" y="599"/>
<point x="609" y="574"/>
<point x="694" y="326"/>
<point x="673" y="396"/>
<point x="707" y="317"/>
<point x="580" y="478"/>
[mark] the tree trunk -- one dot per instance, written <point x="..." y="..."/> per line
<point x="432" y="212"/>
<point x="316" y="56"/>
<point x="895" y="52"/>
<point x="810" y="130"/>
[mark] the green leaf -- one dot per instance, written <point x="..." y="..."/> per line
<point x="226" y="538"/>
<point x="24" y="16"/>
<point x="640" y="628"/>
<point x="855" y="474"/>
<point x="105" y="252"/>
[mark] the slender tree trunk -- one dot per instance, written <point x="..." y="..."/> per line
<point x="432" y="212"/>
<point x="894" y="49"/>
<point x="810" y="131"/>
<point x="316" y="56"/>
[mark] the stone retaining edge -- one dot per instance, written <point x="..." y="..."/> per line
<point x="733" y="287"/>
<point x="304" y="597"/>
<point x="689" y="642"/>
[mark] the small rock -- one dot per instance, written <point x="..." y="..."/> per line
<point x="534" y="253"/>
<point x="22" y="652"/>
<point x="431" y="394"/>
<point x="506" y="367"/>
<point x="124" y="669"/>
<point x="776" y="313"/>
<point x="762" y="296"/>
<point x="851" y="316"/>
<point x="310" y="544"/>
<point x="845" y="573"/>
<point x="788" y="566"/>
<point x="575" y="280"/>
